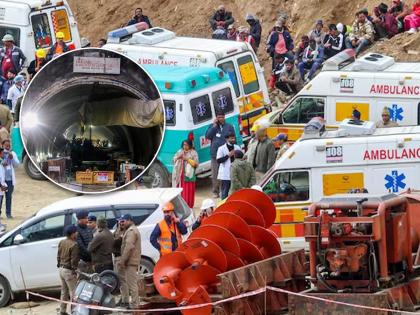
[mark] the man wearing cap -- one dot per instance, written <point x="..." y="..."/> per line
<point x="255" y="30"/>
<point x="289" y="81"/>
<point x="221" y="18"/>
<point x="17" y="90"/>
<point x="101" y="247"/>
<point x="281" y="142"/>
<point x="91" y="223"/>
<point x="84" y="235"/>
<point x="38" y="62"/>
<point x="10" y="76"/>
<point x="129" y="261"/>
<point x="167" y="234"/>
<point x="280" y="41"/>
<point x="217" y="133"/>
<point x="386" y="121"/>
<point x="11" y="56"/>
<point x="356" y="116"/>
<point x="242" y="173"/>
<point x="317" y="33"/>
<point x="60" y="47"/>
<point x="67" y="262"/>
<point x="206" y="210"/>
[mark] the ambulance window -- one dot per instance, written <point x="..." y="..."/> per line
<point x="15" y="32"/>
<point x="61" y="19"/>
<point x="201" y="109"/>
<point x="170" y="112"/>
<point x="303" y="110"/>
<point x="248" y="74"/>
<point x="42" y="31"/>
<point x="288" y="186"/>
<point x="222" y="100"/>
<point x="229" y="68"/>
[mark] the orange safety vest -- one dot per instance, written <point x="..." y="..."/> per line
<point x="165" y="239"/>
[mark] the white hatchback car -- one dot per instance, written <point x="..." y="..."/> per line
<point x="29" y="252"/>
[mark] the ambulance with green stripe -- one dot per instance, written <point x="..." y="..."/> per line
<point x="191" y="97"/>
<point x="158" y="46"/>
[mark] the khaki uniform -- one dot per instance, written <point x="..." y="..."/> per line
<point x="67" y="261"/>
<point x="4" y="134"/>
<point x="390" y="124"/>
<point x="6" y="117"/>
<point x="118" y="234"/>
<point x="129" y="264"/>
<point x="101" y="248"/>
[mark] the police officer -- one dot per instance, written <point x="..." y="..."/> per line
<point x="118" y="234"/>
<point x="67" y="261"/>
<point x="167" y="234"/>
<point x="84" y="236"/>
<point x="101" y="247"/>
<point x="130" y="261"/>
<point x="92" y="224"/>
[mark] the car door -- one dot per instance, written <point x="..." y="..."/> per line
<point x="34" y="262"/>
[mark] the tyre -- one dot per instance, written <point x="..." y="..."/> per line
<point x="146" y="266"/>
<point x="159" y="175"/>
<point x="5" y="293"/>
<point x="31" y="169"/>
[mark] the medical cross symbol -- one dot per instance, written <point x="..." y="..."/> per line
<point x="395" y="181"/>
<point x="395" y="112"/>
<point x="200" y="108"/>
<point x="222" y="102"/>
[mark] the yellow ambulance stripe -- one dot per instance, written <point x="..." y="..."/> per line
<point x="288" y="230"/>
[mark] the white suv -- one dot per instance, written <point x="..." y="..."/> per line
<point x="32" y="246"/>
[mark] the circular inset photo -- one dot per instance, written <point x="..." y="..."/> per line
<point x="92" y="120"/>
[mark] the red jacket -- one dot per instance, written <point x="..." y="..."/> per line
<point x="416" y="9"/>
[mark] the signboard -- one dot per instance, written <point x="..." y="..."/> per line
<point x="341" y="183"/>
<point x="334" y="154"/>
<point x="346" y="85"/>
<point x="53" y="168"/>
<point x="96" y="65"/>
<point x="84" y="177"/>
<point x="248" y="74"/>
<point x="103" y="177"/>
<point x="204" y="142"/>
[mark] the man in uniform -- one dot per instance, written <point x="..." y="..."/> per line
<point x="67" y="261"/>
<point x="386" y="121"/>
<point x="130" y="261"/>
<point x="101" y="247"/>
<point x="207" y="208"/>
<point x="91" y="223"/>
<point x="118" y="234"/>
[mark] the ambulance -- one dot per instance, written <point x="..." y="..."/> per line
<point x="191" y="97"/>
<point x="158" y="46"/>
<point x="34" y="23"/>
<point x="354" y="156"/>
<point x="367" y="84"/>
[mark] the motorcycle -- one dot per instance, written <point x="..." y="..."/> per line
<point x="95" y="289"/>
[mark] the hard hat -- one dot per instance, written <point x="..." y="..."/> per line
<point x="59" y="35"/>
<point x="8" y="38"/>
<point x="257" y="187"/>
<point x="169" y="206"/>
<point x="207" y="203"/>
<point x="40" y="53"/>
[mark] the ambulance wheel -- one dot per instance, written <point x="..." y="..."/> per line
<point x="31" y="169"/>
<point x="160" y="176"/>
<point x="5" y="294"/>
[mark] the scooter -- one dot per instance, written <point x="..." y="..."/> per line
<point x="95" y="289"/>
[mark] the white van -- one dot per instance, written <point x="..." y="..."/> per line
<point x="29" y="251"/>
<point x="34" y="24"/>
<point x="351" y="157"/>
<point x="158" y="46"/>
<point x="368" y="84"/>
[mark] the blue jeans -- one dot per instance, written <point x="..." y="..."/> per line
<point x="363" y="43"/>
<point x="225" y="189"/>
<point x="313" y="66"/>
<point x="8" y="194"/>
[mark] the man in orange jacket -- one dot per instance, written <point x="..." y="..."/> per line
<point x="167" y="235"/>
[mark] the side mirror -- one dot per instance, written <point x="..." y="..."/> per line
<point x="19" y="239"/>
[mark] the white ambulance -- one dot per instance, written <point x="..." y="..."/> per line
<point x="158" y="46"/>
<point x="333" y="162"/>
<point x="367" y="84"/>
<point x="34" y="23"/>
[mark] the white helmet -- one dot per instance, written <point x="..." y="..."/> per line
<point x="8" y="38"/>
<point x="257" y="187"/>
<point x="207" y="203"/>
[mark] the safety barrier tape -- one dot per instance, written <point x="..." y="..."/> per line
<point x="236" y="297"/>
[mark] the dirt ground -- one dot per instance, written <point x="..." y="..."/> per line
<point x="29" y="197"/>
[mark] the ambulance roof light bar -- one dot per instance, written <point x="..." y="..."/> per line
<point x="340" y="60"/>
<point x="117" y="35"/>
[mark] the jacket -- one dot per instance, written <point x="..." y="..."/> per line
<point x="292" y="77"/>
<point x="318" y="36"/>
<point x="84" y="237"/>
<point x="33" y="65"/>
<point x="262" y="155"/>
<point x="68" y="254"/>
<point x="362" y="31"/>
<point x="101" y="247"/>
<point x="275" y="73"/>
<point x="131" y="247"/>
<point x="310" y="54"/>
<point x="5" y="90"/>
<point x="242" y="175"/>
<point x="51" y="51"/>
<point x="13" y="164"/>
<point x="143" y="18"/>
<point x="337" y="43"/>
<point x="18" y="59"/>
<point x="217" y="17"/>
<point x="274" y="37"/>
<point x="156" y="233"/>
<point x="255" y="32"/>
<point x="6" y="118"/>
<point x="217" y="136"/>
<point x="224" y="161"/>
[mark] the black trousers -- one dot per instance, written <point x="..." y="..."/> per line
<point x="225" y="189"/>
<point x="288" y="89"/>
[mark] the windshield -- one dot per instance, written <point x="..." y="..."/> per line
<point x="15" y="32"/>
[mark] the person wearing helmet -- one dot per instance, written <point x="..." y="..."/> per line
<point x="11" y="56"/>
<point x="60" y="47"/>
<point x="39" y="61"/>
<point x="16" y="91"/>
<point x="207" y="208"/>
<point x="167" y="234"/>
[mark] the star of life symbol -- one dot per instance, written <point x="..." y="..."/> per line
<point x="169" y="113"/>
<point x="395" y="112"/>
<point x="200" y="108"/>
<point x="222" y="102"/>
<point x="395" y="181"/>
